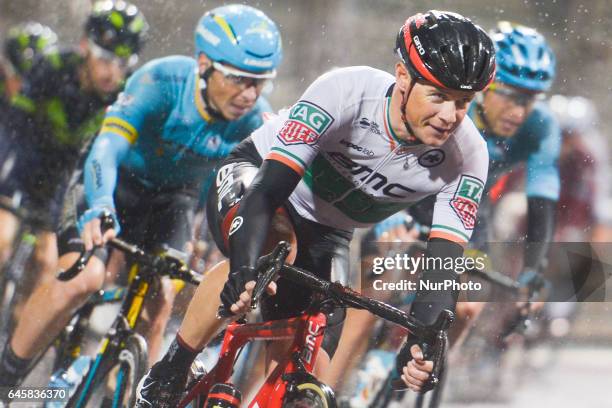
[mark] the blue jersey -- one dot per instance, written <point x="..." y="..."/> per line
<point x="537" y="143"/>
<point x="159" y="132"/>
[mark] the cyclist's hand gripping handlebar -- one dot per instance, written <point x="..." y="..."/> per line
<point x="268" y="268"/>
<point x="106" y="223"/>
<point x="434" y="349"/>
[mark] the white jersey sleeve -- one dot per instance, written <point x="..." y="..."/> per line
<point x="315" y="115"/>
<point x="456" y="207"/>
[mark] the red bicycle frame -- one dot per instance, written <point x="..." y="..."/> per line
<point x="307" y="333"/>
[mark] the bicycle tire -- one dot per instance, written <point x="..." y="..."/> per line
<point x="121" y="369"/>
<point x="134" y="360"/>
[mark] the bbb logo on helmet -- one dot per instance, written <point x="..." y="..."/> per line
<point x="418" y="44"/>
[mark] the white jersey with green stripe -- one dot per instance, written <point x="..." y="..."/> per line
<point x="356" y="172"/>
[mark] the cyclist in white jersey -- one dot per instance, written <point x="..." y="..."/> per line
<point x="358" y="146"/>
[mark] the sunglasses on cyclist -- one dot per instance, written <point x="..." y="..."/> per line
<point x="245" y="80"/>
<point x="110" y="57"/>
<point x="517" y="97"/>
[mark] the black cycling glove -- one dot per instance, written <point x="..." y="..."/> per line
<point x="404" y="356"/>
<point x="235" y="285"/>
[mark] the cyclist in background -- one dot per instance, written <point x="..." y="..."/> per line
<point x="583" y="210"/>
<point x="158" y="146"/>
<point x="58" y="110"/>
<point x="24" y="43"/>
<point x="324" y="173"/>
<point x="519" y="128"/>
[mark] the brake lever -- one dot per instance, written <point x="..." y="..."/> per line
<point x="273" y="265"/>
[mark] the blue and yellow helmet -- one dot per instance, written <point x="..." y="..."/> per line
<point x="524" y="59"/>
<point x="241" y="36"/>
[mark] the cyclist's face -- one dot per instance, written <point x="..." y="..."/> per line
<point x="105" y="74"/>
<point x="506" y="108"/>
<point x="434" y="113"/>
<point x="232" y="96"/>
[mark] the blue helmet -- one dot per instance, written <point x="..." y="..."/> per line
<point x="241" y="36"/>
<point x="524" y="60"/>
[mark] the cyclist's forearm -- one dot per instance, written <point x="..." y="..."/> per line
<point x="540" y="228"/>
<point x="429" y="303"/>
<point x="270" y="189"/>
<point x="100" y="172"/>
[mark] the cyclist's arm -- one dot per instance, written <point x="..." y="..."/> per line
<point x="100" y="172"/>
<point x="454" y="219"/>
<point x="429" y="303"/>
<point x="144" y="103"/>
<point x="269" y="190"/>
<point x="540" y="229"/>
<point x="542" y="186"/>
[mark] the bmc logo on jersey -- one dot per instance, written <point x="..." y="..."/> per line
<point x="466" y="200"/>
<point x="306" y="123"/>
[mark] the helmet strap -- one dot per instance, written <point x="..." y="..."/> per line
<point x="405" y="96"/>
<point x="214" y="113"/>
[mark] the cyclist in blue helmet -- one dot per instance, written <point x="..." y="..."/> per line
<point x="519" y="128"/>
<point x="152" y="160"/>
<point x="239" y="45"/>
<point x="525" y="70"/>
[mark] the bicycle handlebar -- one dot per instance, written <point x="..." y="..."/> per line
<point x="168" y="263"/>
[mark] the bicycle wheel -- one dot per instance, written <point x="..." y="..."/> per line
<point x="134" y="360"/>
<point x="305" y="391"/>
<point x="132" y="366"/>
<point x="114" y="378"/>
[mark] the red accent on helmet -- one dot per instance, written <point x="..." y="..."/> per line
<point x="413" y="54"/>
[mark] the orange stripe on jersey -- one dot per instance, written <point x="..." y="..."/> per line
<point x="447" y="236"/>
<point x="293" y="165"/>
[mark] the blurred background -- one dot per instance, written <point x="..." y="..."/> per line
<point x="321" y="34"/>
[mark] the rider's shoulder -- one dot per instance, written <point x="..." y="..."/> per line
<point x="541" y="123"/>
<point x="542" y="112"/>
<point x="469" y="139"/>
<point x="173" y="68"/>
<point x="357" y="75"/>
<point x="467" y="148"/>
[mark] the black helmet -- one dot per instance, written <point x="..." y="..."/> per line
<point x="117" y="26"/>
<point x="25" y="41"/>
<point x="447" y="50"/>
